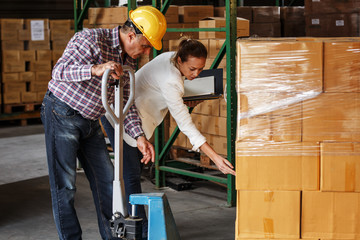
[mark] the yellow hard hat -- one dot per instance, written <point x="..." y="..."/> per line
<point x="151" y="22"/>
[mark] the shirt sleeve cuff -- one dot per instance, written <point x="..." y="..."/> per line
<point x="198" y="144"/>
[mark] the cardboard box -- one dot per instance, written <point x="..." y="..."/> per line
<point x="332" y="117"/>
<point x="10" y="77"/>
<point x="208" y="107"/>
<point x="9" y="35"/>
<point x="43" y="55"/>
<point x="269" y="116"/>
<point x="61" y="25"/>
<point x="14" y="87"/>
<point x="218" y="143"/>
<point x="217" y="22"/>
<point x="26" y="35"/>
<point x="11" y="55"/>
<point x="330" y="215"/>
<point x="258" y="64"/>
<point x="341" y="66"/>
<point x="222" y="64"/>
<point x="330" y="6"/>
<point x="244" y="12"/>
<point x="27" y="76"/>
<point x="266" y="14"/>
<point x="9" y="28"/>
<point x="332" y="25"/>
<point x="340" y="167"/>
<point x="44" y="23"/>
<point x="172" y="14"/>
<point x="59" y="45"/>
<point x="293" y="29"/>
<point x="11" y="24"/>
<point x="106" y="15"/>
<point x="268" y="214"/>
<point x="193" y="13"/>
<point x="43" y="76"/>
<point x="11" y="97"/>
<point x="177" y="35"/>
<point x="12" y="45"/>
<point x="210" y="124"/>
<point x="265" y="29"/>
<point x="28" y="55"/>
<point x="39" y="66"/>
<point x="292" y="14"/>
<point x="277" y="166"/>
<point x="56" y="35"/>
<point x="38" y="86"/>
<point x="219" y="11"/>
<point x="13" y="66"/>
<point x="223" y="108"/>
<point x="254" y="129"/>
<point x="214" y="47"/>
<point x="39" y="45"/>
<point x="28" y="97"/>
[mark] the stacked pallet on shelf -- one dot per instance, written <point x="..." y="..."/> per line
<point x="298" y="131"/>
<point x="265" y="22"/>
<point x="27" y="59"/>
<point x="332" y="18"/>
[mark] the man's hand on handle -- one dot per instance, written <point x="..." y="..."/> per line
<point x="116" y="73"/>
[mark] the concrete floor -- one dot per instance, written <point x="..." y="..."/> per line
<point x="25" y="208"/>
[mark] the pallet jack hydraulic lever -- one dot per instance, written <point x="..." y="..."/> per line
<point x="161" y="224"/>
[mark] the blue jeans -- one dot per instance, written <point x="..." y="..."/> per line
<point x="69" y="136"/>
<point x="131" y="172"/>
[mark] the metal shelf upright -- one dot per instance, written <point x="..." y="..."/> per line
<point x="162" y="150"/>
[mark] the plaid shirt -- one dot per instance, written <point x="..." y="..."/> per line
<point x="72" y="81"/>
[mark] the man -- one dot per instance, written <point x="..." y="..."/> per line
<point x="72" y="107"/>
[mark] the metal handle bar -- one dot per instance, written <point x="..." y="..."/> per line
<point x="104" y="95"/>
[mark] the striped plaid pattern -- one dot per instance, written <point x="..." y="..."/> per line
<point x="72" y="81"/>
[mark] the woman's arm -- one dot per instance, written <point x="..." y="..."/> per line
<point x="224" y="165"/>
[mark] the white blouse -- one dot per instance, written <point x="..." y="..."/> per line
<point x="159" y="87"/>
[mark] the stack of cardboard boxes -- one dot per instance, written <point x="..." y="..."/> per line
<point x="265" y="22"/>
<point x="298" y="131"/>
<point x="26" y="59"/>
<point x="332" y="18"/>
<point x="184" y="17"/>
<point x="30" y="48"/>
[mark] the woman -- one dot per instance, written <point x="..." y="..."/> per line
<point x="159" y="88"/>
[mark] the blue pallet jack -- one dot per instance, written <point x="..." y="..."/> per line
<point x="161" y="223"/>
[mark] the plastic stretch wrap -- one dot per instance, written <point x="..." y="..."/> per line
<point x="294" y="95"/>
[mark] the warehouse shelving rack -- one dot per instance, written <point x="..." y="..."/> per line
<point x="161" y="148"/>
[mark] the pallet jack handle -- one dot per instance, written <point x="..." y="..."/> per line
<point x="116" y="118"/>
<point x="104" y="95"/>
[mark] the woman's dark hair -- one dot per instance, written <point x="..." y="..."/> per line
<point x="189" y="47"/>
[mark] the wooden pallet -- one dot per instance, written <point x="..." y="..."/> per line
<point x="20" y="113"/>
<point x="21" y="107"/>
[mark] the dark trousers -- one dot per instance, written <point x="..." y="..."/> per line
<point x="69" y="136"/>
